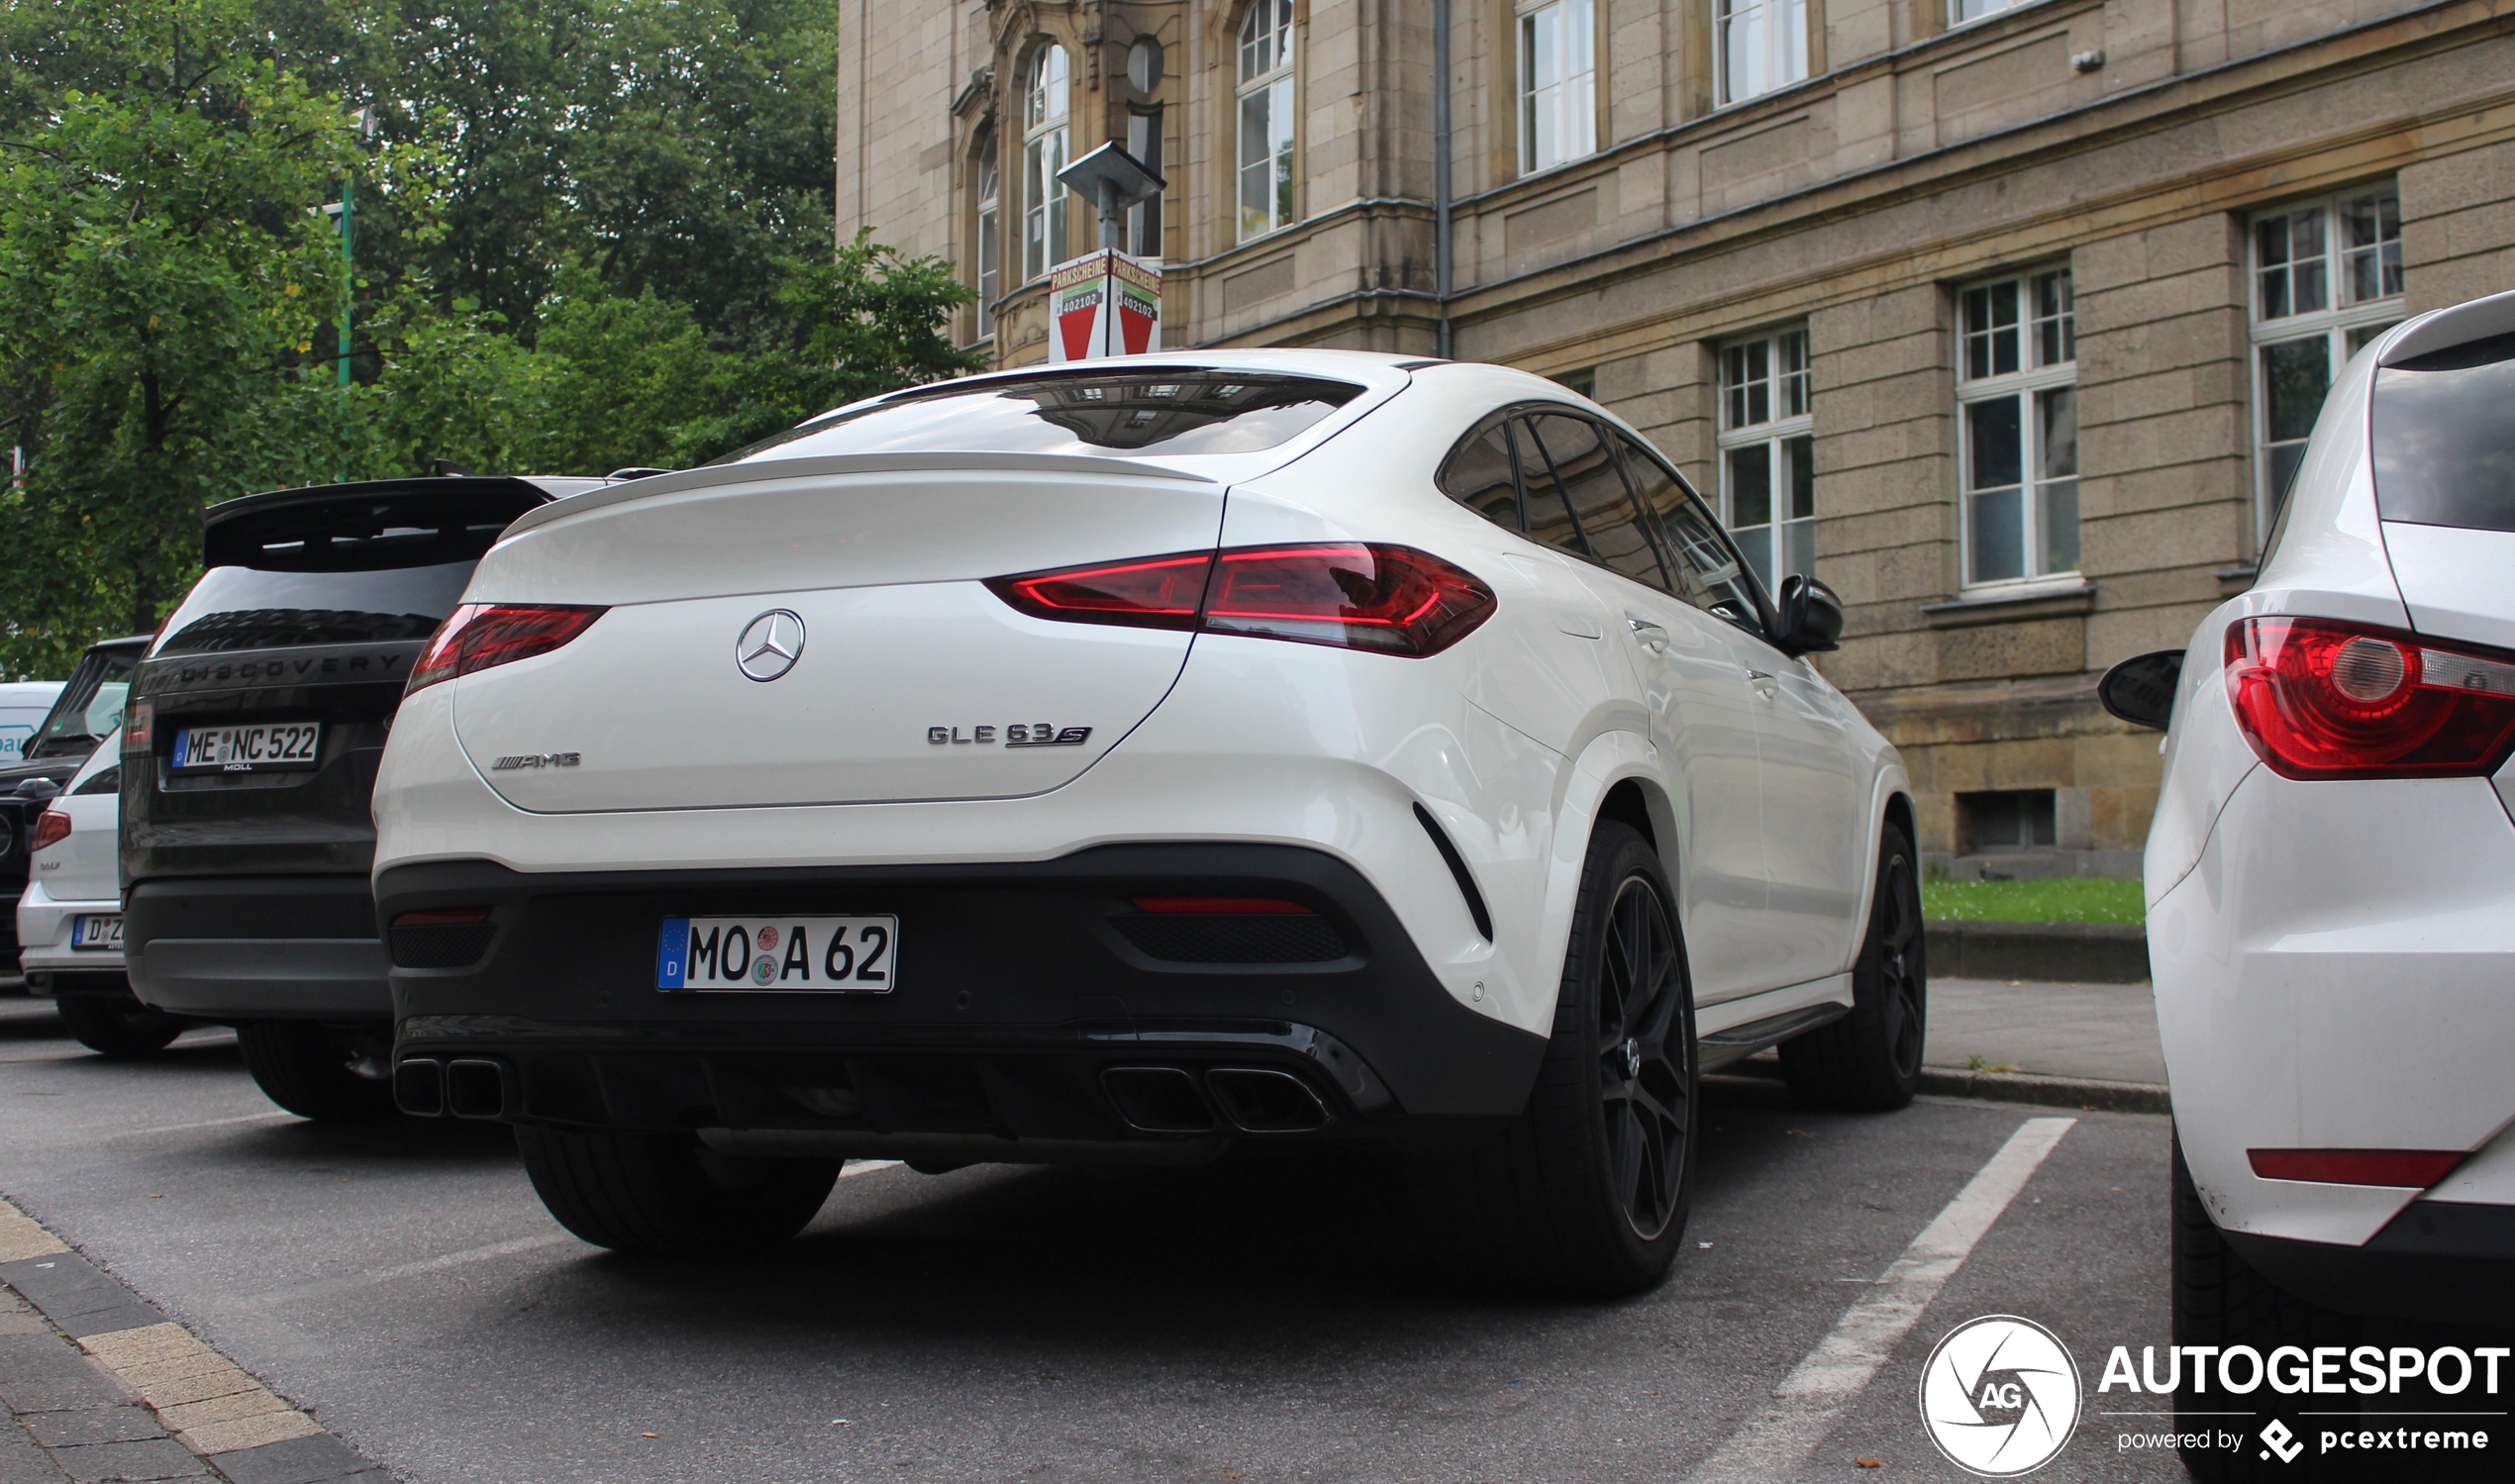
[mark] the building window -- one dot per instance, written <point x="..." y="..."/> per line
<point x="1044" y="154"/>
<point x="1265" y="116"/>
<point x="2326" y="281"/>
<point x="990" y="252"/>
<point x="1761" y="46"/>
<point x="1144" y="219"/>
<point x="1768" y="448"/>
<point x="2017" y="402"/>
<point x="1962" y="11"/>
<point x="1558" y="84"/>
<point x="2010" y="820"/>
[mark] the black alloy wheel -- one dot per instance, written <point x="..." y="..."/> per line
<point x="1870" y="1060"/>
<point x="1586" y="1195"/>
<point x="1643" y="1090"/>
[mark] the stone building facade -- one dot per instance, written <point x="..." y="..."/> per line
<point x="2006" y="318"/>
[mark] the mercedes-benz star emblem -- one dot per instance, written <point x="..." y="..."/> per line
<point x="770" y="645"/>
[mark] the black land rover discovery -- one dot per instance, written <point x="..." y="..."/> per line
<point x="249" y="756"/>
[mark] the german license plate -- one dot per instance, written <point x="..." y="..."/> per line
<point x="262" y="747"/>
<point x="845" y="954"/>
<point x="100" y="930"/>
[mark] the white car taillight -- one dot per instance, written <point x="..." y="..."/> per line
<point x="1352" y="595"/>
<point x="2319" y="699"/>
<point x="479" y="636"/>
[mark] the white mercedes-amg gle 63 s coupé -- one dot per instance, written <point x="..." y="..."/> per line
<point x="2330" y="874"/>
<point x="1138" y="761"/>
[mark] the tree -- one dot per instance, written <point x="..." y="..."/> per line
<point x="164" y="277"/>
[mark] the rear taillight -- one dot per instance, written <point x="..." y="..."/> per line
<point x="1355" y="596"/>
<point x="2410" y="1169"/>
<point x="2323" y="700"/>
<point x="138" y="719"/>
<point x="51" y="827"/>
<point x="479" y="636"/>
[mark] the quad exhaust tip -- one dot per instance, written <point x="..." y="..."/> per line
<point x="466" y="1087"/>
<point x="1252" y="1099"/>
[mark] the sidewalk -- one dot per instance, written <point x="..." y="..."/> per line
<point x="2072" y="1045"/>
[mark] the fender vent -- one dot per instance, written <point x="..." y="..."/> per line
<point x="1459" y="871"/>
<point x="1232" y="938"/>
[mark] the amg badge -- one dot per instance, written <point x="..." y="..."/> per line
<point x="1019" y="734"/>
<point x="535" y="760"/>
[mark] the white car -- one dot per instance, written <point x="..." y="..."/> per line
<point x="2330" y="874"/>
<point x="70" y="918"/>
<point x="23" y="706"/>
<point x="1130" y="760"/>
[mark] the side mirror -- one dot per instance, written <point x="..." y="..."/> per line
<point x="2141" y="689"/>
<point x="38" y="788"/>
<point x="1811" y="615"/>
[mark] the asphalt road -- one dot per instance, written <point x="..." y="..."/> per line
<point x="1267" y="1321"/>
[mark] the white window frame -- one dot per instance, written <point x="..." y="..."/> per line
<point x="1967" y="12"/>
<point x="990" y="245"/>
<point x="1265" y="106"/>
<point x="2038" y="371"/>
<point x="1047" y="119"/>
<point x="2345" y="321"/>
<point x="1759" y="46"/>
<point x="1766" y="400"/>
<point x="1556" y="82"/>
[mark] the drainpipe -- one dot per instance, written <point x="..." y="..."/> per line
<point x="1441" y="169"/>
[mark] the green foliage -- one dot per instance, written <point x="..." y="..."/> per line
<point x="589" y="234"/>
<point x="2061" y="899"/>
<point x="162" y="280"/>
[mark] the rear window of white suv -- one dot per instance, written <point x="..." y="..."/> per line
<point x="2445" y="438"/>
<point x="1192" y="410"/>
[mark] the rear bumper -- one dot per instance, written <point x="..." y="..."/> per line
<point x="2443" y="1261"/>
<point x="1021" y="987"/>
<point x="269" y="948"/>
<point x="44" y="936"/>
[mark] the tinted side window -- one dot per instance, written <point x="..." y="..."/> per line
<point x="1708" y="574"/>
<point x="1477" y="474"/>
<point x="1586" y="480"/>
<point x="1550" y="516"/>
<point x="91" y="704"/>
<point x="2445" y="438"/>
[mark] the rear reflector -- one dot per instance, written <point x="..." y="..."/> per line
<point x="479" y="636"/>
<point x="2414" y="1169"/>
<point x="51" y="827"/>
<point x="441" y="917"/>
<point x="1352" y="595"/>
<point x="2326" y="700"/>
<point x="1222" y="906"/>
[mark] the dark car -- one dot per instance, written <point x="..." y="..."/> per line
<point x="255" y="724"/>
<point x="88" y="707"/>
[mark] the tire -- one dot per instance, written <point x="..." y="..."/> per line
<point x="2220" y="1299"/>
<point x="304" y="1067"/>
<point x="1870" y="1060"/>
<point x="662" y="1196"/>
<point x="116" y="1029"/>
<point x="1586" y="1195"/>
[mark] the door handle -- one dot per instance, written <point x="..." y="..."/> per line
<point x="1766" y="686"/>
<point x="1648" y="635"/>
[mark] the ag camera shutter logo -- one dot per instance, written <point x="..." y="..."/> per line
<point x="2000" y="1395"/>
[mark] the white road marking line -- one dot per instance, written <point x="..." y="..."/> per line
<point x="1778" y="1439"/>
<point x="273" y="1116"/>
<point x="868" y="1166"/>
<point x="326" y="1287"/>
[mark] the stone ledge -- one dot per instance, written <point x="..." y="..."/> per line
<point x="2008" y="608"/>
<point x="2050" y="1092"/>
<point x="2053" y="953"/>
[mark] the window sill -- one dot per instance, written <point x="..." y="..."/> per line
<point x="2012" y="605"/>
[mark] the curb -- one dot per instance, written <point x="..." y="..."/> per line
<point x="2053" y="953"/>
<point x="148" y="1400"/>
<point x="2082" y="1093"/>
